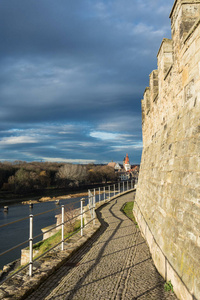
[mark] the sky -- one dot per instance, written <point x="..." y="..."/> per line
<point x="72" y="76"/>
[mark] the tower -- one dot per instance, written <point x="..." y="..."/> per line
<point x="126" y="163"/>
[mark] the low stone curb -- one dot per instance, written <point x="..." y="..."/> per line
<point x="22" y="285"/>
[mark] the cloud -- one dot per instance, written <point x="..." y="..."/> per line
<point x="122" y="122"/>
<point x="104" y="135"/>
<point x="65" y="160"/>
<point x="17" y="140"/>
<point x="136" y="146"/>
<point x="73" y="74"/>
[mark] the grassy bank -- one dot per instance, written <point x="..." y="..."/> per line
<point x="128" y="211"/>
<point x="46" y="244"/>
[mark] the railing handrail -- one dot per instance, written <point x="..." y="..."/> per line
<point x="91" y="204"/>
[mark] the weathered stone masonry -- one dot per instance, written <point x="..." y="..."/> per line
<point x="167" y="204"/>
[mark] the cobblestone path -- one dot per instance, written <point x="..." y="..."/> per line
<point x="114" y="264"/>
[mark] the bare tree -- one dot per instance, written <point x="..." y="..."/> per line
<point x="71" y="172"/>
<point x="70" y="218"/>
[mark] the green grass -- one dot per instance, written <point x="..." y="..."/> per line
<point x="45" y="245"/>
<point x="168" y="286"/>
<point x="128" y="211"/>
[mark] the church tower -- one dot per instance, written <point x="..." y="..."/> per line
<point x="126" y="163"/>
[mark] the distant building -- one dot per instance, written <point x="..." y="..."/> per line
<point x="124" y="176"/>
<point x="124" y="171"/>
<point x="126" y="163"/>
<point x="134" y="171"/>
<point x="114" y="165"/>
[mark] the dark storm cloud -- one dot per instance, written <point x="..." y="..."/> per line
<point x="80" y="68"/>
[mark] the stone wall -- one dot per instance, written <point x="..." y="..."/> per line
<point x="167" y="205"/>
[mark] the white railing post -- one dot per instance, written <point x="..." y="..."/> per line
<point x="82" y="202"/>
<point x="31" y="245"/>
<point x="62" y="226"/>
<point x="127" y="186"/>
<point x="109" y="191"/>
<point x="93" y="208"/>
<point x="119" y="187"/>
<point x="114" y="189"/>
<point x="99" y="194"/>
<point x="131" y="183"/>
<point x="89" y="198"/>
<point x="104" y="191"/>
<point x="123" y="186"/>
<point x="89" y="201"/>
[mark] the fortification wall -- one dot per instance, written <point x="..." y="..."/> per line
<point x="167" y="205"/>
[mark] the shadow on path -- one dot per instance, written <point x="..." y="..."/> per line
<point x="73" y="261"/>
<point x="79" y="283"/>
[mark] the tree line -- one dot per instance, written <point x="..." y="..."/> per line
<point x="21" y="177"/>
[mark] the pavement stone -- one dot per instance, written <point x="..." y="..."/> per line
<point x="114" y="264"/>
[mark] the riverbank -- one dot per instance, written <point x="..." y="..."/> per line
<point x="39" y="199"/>
<point x="49" y="199"/>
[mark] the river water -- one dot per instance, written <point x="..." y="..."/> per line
<point x="17" y="233"/>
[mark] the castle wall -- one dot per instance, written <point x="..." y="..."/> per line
<point x="167" y="205"/>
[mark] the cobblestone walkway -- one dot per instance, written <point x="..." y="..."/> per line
<point x="114" y="264"/>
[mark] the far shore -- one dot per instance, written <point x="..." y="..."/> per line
<point x="49" y="199"/>
<point x="43" y="196"/>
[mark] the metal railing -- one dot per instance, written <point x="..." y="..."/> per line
<point x="97" y="195"/>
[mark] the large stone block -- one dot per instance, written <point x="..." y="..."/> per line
<point x="159" y="258"/>
<point x="179" y="287"/>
